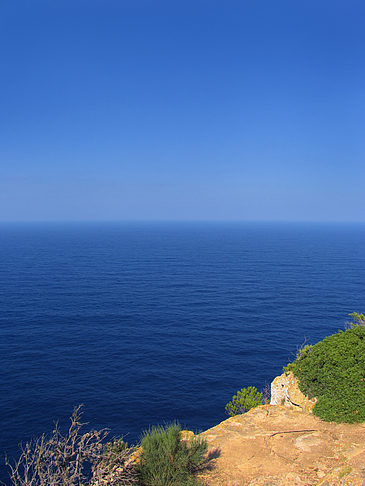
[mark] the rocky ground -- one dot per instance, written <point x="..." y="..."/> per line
<point x="279" y="445"/>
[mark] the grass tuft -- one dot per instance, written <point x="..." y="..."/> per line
<point x="166" y="460"/>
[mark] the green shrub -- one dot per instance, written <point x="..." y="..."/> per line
<point x="244" y="400"/>
<point x="333" y="371"/>
<point x="359" y="319"/>
<point x="166" y="460"/>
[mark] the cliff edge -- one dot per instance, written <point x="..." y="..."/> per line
<point x="274" y="445"/>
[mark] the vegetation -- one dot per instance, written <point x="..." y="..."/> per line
<point x="77" y="459"/>
<point x="116" y="466"/>
<point x="167" y="460"/>
<point x="244" y="400"/>
<point x="73" y="459"/>
<point x="59" y="459"/>
<point x="359" y="319"/>
<point x="333" y="371"/>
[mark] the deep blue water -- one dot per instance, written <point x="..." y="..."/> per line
<point x="146" y="323"/>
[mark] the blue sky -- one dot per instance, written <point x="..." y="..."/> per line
<point x="182" y="110"/>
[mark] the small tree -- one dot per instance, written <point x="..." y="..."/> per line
<point x="244" y="400"/>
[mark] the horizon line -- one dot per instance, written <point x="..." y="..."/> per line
<point x="83" y="221"/>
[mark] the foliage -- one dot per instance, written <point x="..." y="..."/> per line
<point x="167" y="460"/>
<point x="304" y="351"/>
<point x="333" y="371"/>
<point x="244" y="400"/>
<point x="359" y="319"/>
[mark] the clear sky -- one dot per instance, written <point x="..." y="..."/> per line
<point x="182" y="110"/>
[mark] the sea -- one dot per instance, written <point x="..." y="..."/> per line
<point x="145" y="323"/>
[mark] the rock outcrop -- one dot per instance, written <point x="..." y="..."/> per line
<point x="283" y="446"/>
<point x="285" y="391"/>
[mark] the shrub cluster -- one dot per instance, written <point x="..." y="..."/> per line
<point x="333" y="371"/>
<point x="76" y="459"/>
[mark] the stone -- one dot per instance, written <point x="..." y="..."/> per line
<point x="284" y="446"/>
<point x="285" y="391"/>
<point x="186" y="435"/>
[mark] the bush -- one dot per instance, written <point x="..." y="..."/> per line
<point x="73" y="459"/>
<point x="333" y="371"/>
<point x="58" y="459"/>
<point x="166" y="460"/>
<point x="244" y="400"/>
<point x="116" y="467"/>
<point x="359" y="319"/>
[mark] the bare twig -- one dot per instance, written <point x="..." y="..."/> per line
<point x="60" y="459"/>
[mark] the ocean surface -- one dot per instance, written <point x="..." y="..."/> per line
<point x="145" y="323"/>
